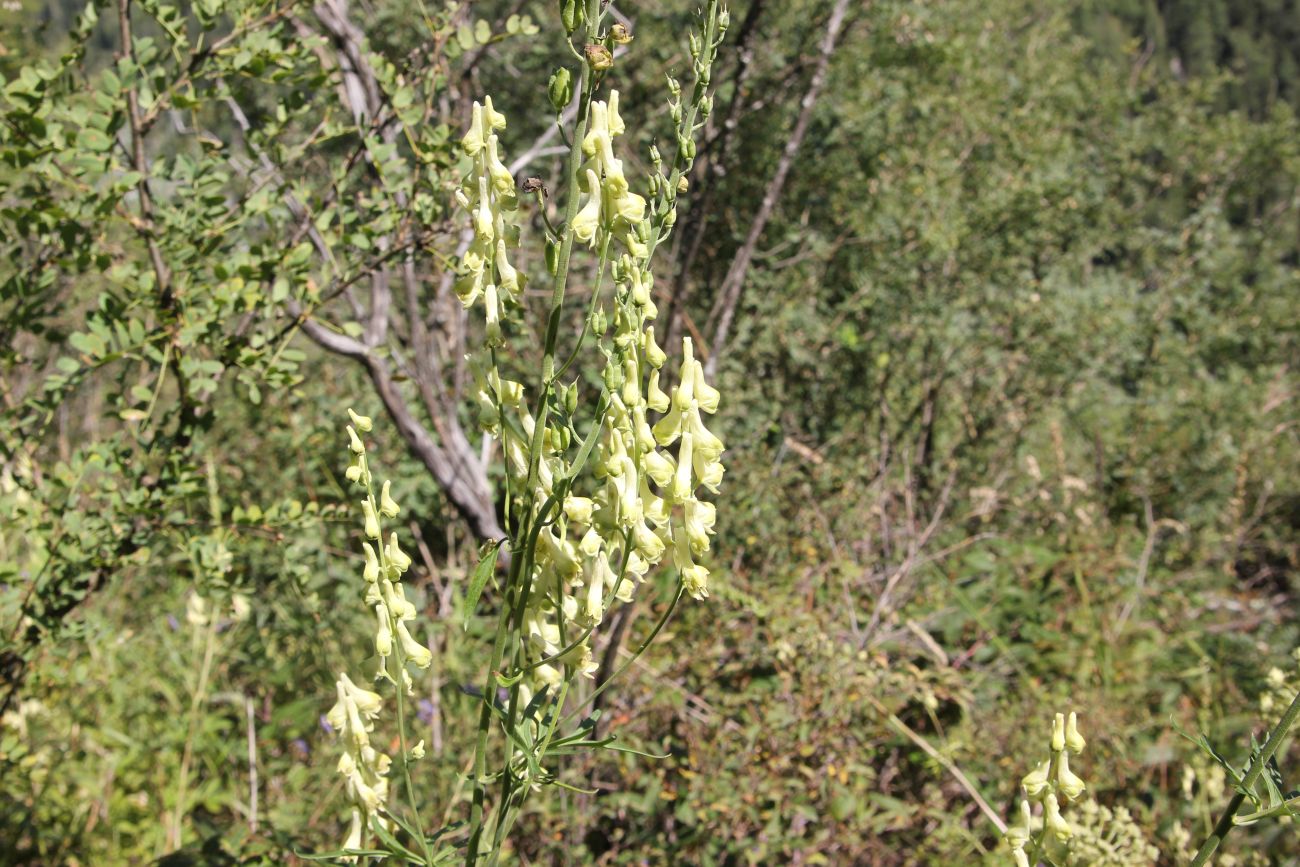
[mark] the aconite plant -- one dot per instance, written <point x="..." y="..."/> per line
<point x="601" y="484"/>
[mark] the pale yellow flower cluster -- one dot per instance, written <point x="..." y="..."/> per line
<point x="607" y="202"/>
<point x="1046" y="784"/>
<point x="356" y="709"/>
<point x="364" y="768"/>
<point x="488" y="194"/>
<point x="652" y="457"/>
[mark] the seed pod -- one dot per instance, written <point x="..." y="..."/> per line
<point x="599" y="57"/>
<point x="560" y="88"/>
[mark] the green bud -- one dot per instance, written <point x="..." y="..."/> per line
<point x="599" y="322"/>
<point x="560" y="89"/>
<point x="570" y="397"/>
<point x="724" y="20"/>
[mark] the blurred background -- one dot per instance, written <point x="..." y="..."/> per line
<point x="1003" y="301"/>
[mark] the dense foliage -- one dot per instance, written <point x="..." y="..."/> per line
<point x="1010" y="415"/>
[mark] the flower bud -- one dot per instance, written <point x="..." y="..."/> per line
<point x="579" y="509"/>
<point x="384" y="632"/>
<point x="1073" y="740"/>
<point x="361" y="422"/>
<point x="655" y="396"/>
<point x="353" y="474"/>
<point x="1058" y="733"/>
<point x="354" y="442"/>
<point x="1067" y="781"/>
<point x="371" y="572"/>
<point x="372" y="522"/>
<point x="417" y="751"/>
<point x="387" y="505"/>
<point x="654" y="356"/>
<point x="397" y="558"/>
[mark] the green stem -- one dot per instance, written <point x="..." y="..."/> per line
<point x="1226" y="823"/>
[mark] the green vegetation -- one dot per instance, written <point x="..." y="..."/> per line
<point x="1001" y="300"/>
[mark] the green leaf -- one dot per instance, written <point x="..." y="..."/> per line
<point x="478" y="580"/>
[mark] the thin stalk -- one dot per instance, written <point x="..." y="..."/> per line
<point x="187" y="755"/>
<point x="1271" y="745"/>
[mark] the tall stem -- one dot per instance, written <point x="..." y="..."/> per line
<point x="1225" y="823"/>
<point x="509" y="620"/>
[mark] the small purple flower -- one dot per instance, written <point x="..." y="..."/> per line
<point x="173" y="622"/>
<point x="425" y="711"/>
<point x="300" y="747"/>
<point x="325" y="725"/>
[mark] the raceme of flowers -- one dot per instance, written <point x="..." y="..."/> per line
<point x="353" y="715"/>
<point x="1047" y="784"/>
<point x="654" y="453"/>
<point x="489" y="195"/>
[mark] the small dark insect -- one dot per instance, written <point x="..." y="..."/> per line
<point x="532" y="185"/>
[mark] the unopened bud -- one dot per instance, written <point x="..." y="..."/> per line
<point x="387" y="506"/>
<point x="372" y="522"/>
<point x="354" y="441"/>
<point x="396" y="556"/>
<point x="362" y="422"/>
<point x="1074" y="741"/>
